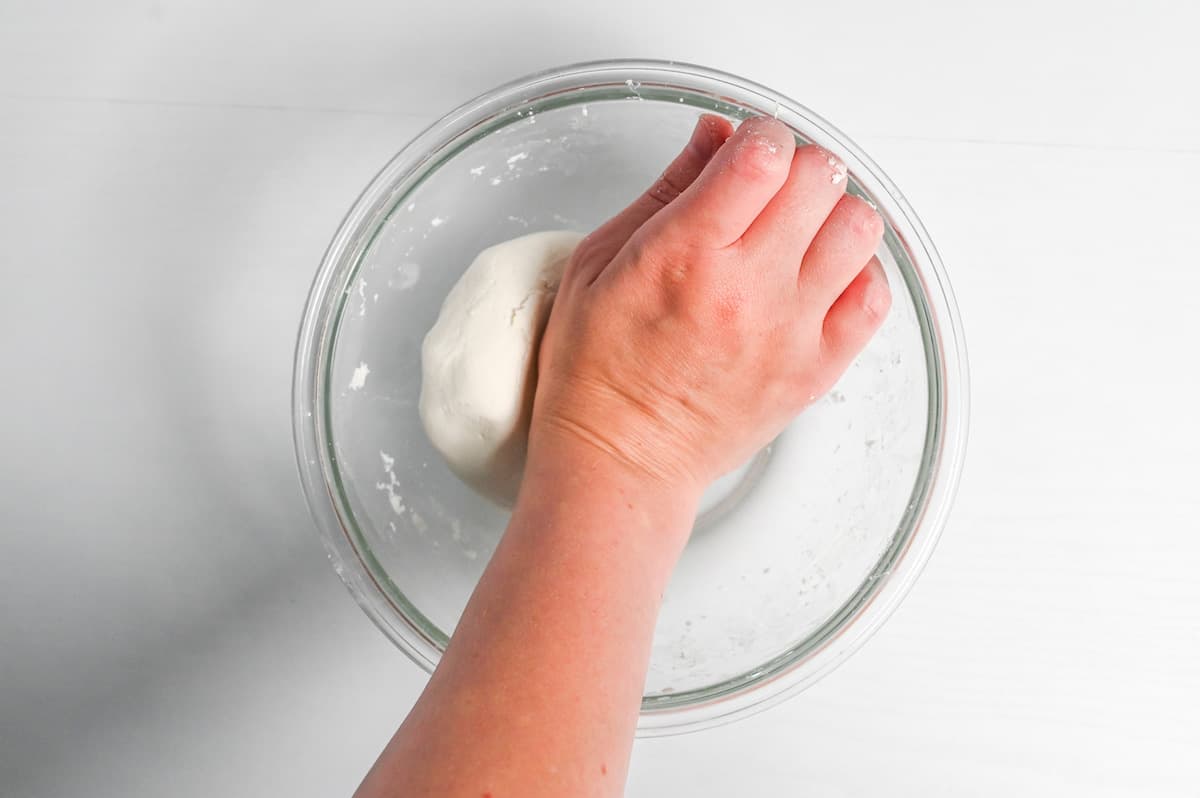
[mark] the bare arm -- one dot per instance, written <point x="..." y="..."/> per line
<point x="538" y="693"/>
<point x="687" y="332"/>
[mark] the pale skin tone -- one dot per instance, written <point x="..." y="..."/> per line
<point x="688" y="331"/>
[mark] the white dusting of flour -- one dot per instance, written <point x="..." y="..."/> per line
<point x="362" y="294"/>
<point x="839" y="170"/>
<point x="407" y="275"/>
<point x="359" y="378"/>
<point x="420" y="523"/>
<point x="394" y="498"/>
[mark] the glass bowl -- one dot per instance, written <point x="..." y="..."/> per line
<point x="796" y="559"/>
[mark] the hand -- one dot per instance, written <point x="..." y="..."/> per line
<point x="692" y="327"/>
<point x="687" y="331"/>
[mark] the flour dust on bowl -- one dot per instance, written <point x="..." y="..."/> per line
<point x="796" y="559"/>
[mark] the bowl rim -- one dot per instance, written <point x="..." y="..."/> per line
<point x="884" y="588"/>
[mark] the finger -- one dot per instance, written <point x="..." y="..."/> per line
<point x="856" y="316"/>
<point x="846" y="240"/>
<point x="599" y="248"/>
<point x="789" y="223"/>
<point x="734" y="187"/>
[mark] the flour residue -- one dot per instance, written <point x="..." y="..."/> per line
<point x="359" y="378"/>
<point x="420" y="523"/>
<point x="362" y="295"/>
<point x="839" y="170"/>
<point x="407" y="275"/>
<point x="390" y="487"/>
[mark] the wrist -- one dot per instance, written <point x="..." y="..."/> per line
<point x="554" y="445"/>
<point x="583" y="492"/>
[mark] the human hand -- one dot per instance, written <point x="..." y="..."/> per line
<point x="692" y="327"/>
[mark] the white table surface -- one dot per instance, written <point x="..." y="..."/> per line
<point x="170" y="173"/>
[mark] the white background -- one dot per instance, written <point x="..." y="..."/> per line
<point x="170" y="173"/>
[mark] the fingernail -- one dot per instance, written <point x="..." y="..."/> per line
<point x="837" y="169"/>
<point x="768" y="133"/>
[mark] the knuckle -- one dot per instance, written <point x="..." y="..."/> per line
<point x="590" y="257"/>
<point x="652" y="253"/>
<point x="757" y="159"/>
<point x="586" y="246"/>
<point x="662" y="249"/>
<point x="667" y="188"/>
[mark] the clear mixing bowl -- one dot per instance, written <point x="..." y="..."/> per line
<point x="796" y="559"/>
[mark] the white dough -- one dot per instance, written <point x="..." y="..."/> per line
<point x="479" y="362"/>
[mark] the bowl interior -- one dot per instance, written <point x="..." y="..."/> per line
<point x="794" y="545"/>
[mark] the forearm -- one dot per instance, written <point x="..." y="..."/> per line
<point x="539" y="690"/>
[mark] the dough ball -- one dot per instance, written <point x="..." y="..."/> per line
<point x="479" y="361"/>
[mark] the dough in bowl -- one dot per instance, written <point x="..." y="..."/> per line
<point x="479" y="361"/>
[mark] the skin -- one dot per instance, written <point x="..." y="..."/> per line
<point x="688" y="331"/>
